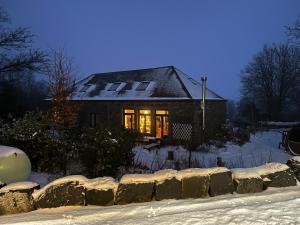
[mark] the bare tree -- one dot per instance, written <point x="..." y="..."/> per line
<point x="16" y="53"/>
<point x="272" y="79"/>
<point x="294" y="32"/>
<point x="61" y="81"/>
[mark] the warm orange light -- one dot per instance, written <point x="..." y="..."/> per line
<point x="162" y="112"/>
<point x="144" y="111"/>
<point x="145" y="121"/>
<point x="129" y="110"/>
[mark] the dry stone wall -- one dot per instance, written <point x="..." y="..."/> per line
<point x="134" y="188"/>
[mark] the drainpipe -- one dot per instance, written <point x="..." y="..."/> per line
<point x="203" y="79"/>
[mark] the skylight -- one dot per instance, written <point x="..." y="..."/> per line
<point x="84" y="88"/>
<point x="114" y="86"/>
<point x="143" y="86"/>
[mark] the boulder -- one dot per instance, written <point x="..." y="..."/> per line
<point x="294" y="164"/>
<point x="220" y="182"/>
<point x="247" y="181"/>
<point x="66" y="191"/>
<point x="100" y="191"/>
<point x="16" y="197"/>
<point x="135" y="188"/>
<point x="195" y="183"/>
<point x="167" y="184"/>
<point x="276" y="175"/>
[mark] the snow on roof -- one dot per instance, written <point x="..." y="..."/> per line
<point x="195" y="88"/>
<point x="18" y="186"/>
<point x="164" y="83"/>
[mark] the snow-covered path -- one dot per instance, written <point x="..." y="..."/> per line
<point x="274" y="206"/>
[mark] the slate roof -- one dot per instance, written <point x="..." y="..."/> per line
<point x="164" y="83"/>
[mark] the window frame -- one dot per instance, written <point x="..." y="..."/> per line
<point x="132" y="115"/>
<point x="162" y="114"/>
<point x="139" y="121"/>
<point x="112" y="85"/>
<point x="138" y="88"/>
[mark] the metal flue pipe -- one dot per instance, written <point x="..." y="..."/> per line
<point x="203" y="79"/>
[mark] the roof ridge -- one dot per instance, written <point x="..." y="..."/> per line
<point x="182" y="83"/>
<point x="120" y="71"/>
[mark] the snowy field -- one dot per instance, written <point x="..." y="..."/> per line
<point x="262" y="148"/>
<point x="273" y="206"/>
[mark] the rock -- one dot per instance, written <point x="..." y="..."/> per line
<point x="167" y="184"/>
<point x="195" y="183"/>
<point x="66" y="191"/>
<point x="135" y="188"/>
<point x="16" y="198"/>
<point x="276" y="175"/>
<point x="100" y="191"/>
<point x="220" y="182"/>
<point x="294" y="164"/>
<point x="247" y="181"/>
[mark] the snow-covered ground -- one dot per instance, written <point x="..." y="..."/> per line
<point x="262" y="148"/>
<point x="273" y="206"/>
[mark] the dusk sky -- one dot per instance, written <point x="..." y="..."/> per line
<point x="212" y="38"/>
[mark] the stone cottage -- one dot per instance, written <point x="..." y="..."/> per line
<point x="159" y="102"/>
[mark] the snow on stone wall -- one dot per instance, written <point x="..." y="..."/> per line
<point x="135" y="188"/>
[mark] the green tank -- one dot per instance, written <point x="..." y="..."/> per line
<point x="14" y="165"/>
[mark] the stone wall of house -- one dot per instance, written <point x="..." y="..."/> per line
<point x="181" y="113"/>
<point x="135" y="188"/>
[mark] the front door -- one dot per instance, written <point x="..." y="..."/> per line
<point x="162" y="123"/>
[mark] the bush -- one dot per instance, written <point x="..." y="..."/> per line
<point x="104" y="151"/>
<point x="47" y="149"/>
<point x="226" y="133"/>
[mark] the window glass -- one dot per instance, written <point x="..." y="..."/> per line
<point x="129" y="110"/>
<point x="145" y="121"/>
<point x="143" y="86"/>
<point x="162" y="123"/>
<point x="114" y="86"/>
<point x="84" y="88"/>
<point x="129" y="119"/>
<point x="162" y="112"/>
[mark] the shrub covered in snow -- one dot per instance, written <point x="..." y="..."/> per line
<point x="104" y="151"/>
<point x="47" y="150"/>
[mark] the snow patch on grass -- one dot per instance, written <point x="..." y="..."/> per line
<point x="261" y="149"/>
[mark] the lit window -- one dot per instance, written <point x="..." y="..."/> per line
<point x="129" y="119"/>
<point x="162" y="112"/>
<point x="143" y="86"/>
<point x="145" y="121"/>
<point x="114" y="86"/>
<point x="162" y="123"/>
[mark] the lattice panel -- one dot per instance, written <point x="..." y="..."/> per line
<point x="182" y="131"/>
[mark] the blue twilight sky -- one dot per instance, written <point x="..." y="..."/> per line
<point x="204" y="37"/>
